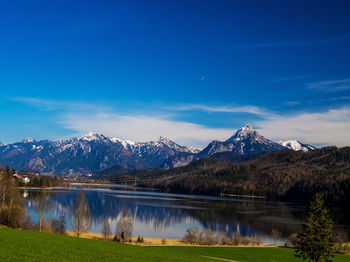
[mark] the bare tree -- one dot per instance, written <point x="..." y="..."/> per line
<point x="192" y="235"/>
<point x="237" y="238"/>
<point x="276" y="235"/>
<point x="106" y="230"/>
<point x="207" y="237"/>
<point x="11" y="204"/>
<point x="223" y="239"/>
<point x="81" y="220"/>
<point x="124" y="226"/>
<point x="41" y="204"/>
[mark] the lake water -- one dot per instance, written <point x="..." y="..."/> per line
<point x="165" y="215"/>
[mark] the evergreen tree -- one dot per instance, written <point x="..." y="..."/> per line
<point x="316" y="241"/>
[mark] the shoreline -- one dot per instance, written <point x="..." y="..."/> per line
<point x="153" y="241"/>
<point x="43" y="188"/>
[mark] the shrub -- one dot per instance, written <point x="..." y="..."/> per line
<point x="237" y="238"/>
<point x="206" y="237"/>
<point x="256" y="241"/>
<point x="294" y="239"/>
<point x="191" y="236"/>
<point x="139" y="239"/>
<point x="246" y="241"/>
<point x="223" y="239"/>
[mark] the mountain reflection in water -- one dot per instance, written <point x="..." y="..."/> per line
<point x="165" y="215"/>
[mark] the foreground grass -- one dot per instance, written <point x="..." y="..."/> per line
<point x="16" y="245"/>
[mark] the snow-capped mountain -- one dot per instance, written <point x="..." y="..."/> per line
<point x="2" y="144"/>
<point x="245" y="141"/>
<point x="296" y="145"/>
<point x="90" y="153"/>
<point x="95" y="152"/>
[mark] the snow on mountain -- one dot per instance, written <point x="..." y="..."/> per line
<point x="2" y="144"/>
<point x="296" y="145"/>
<point x="93" y="152"/>
<point x="91" y="136"/>
<point x="90" y="153"/>
<point x="28" y="140"/>
<point x="195" y="150"/>
<point x="244" y="141"/>
<point x="127" y="144"/>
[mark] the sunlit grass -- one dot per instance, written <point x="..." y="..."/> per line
<point x="17" y="245"/>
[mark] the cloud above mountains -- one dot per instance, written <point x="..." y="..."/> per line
<point x="329" y="127"/>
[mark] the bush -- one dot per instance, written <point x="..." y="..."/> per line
<point x="223" y="239"/>
<point x="294" y="239"/>
<point x="340" y="245"/>
<point x="246" y="241"/>
<point x="191" y="236"/>
<point x="206" y="237"/>
<point x="237" y="238"/>
<point x="27" y="223"/>
<point x="139" y="239"/>
<point x="58" y="225"/>
<point x="256" y="241"/>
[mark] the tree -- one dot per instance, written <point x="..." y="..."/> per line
<point x="81" y="220"/>
<point x="11" y="204"/>
<point x="192" y="235"/>
<point x="316" y="242"/>
<point x="106" y="230"/>
<point x="41" y="204"/>
<point x="276" y="235"/>
<point x="124" y="226"/>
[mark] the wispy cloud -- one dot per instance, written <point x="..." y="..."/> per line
<point x="144" y="128"/>
<point x="51" y="105"/>
<point x="295" y="43"/>
<point x="140" y="125"/>
<point x="203" y="78"/>
<point x="331" y="86"/>
<point x="328" y="128"/>
<point x="254" y="110"/>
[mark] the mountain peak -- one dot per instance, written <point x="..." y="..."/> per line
<point x="28" y="140"/>
<point x="248" y="128"/>
<point x="92" y="136"/>
<point x="243" y="133"/>
<point x="163" y="139"/>
<point x="2" y="144"/>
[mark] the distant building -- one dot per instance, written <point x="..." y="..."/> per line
<point x="24" y="179"/>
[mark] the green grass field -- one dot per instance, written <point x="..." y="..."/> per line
<point x="16" y="245"/>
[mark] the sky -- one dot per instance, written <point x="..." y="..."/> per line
<point x="189" y="70"/>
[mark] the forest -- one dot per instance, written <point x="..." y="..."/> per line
<point x="287" y="175"/>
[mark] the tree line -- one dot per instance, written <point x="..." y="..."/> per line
<point x="287" y="175"/>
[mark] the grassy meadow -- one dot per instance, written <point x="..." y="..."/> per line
<point x="21" y="245"/>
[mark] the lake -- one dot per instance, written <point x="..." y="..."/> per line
<point x="166" y="215"/>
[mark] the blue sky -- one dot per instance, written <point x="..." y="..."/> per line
<point x="189" y="70"/>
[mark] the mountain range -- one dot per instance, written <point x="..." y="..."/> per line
<point x="93" y="153"/>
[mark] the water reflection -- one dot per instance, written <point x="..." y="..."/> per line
<point x="167" y="215"/>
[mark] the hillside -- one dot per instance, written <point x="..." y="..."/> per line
<point x="288" y="175"/>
